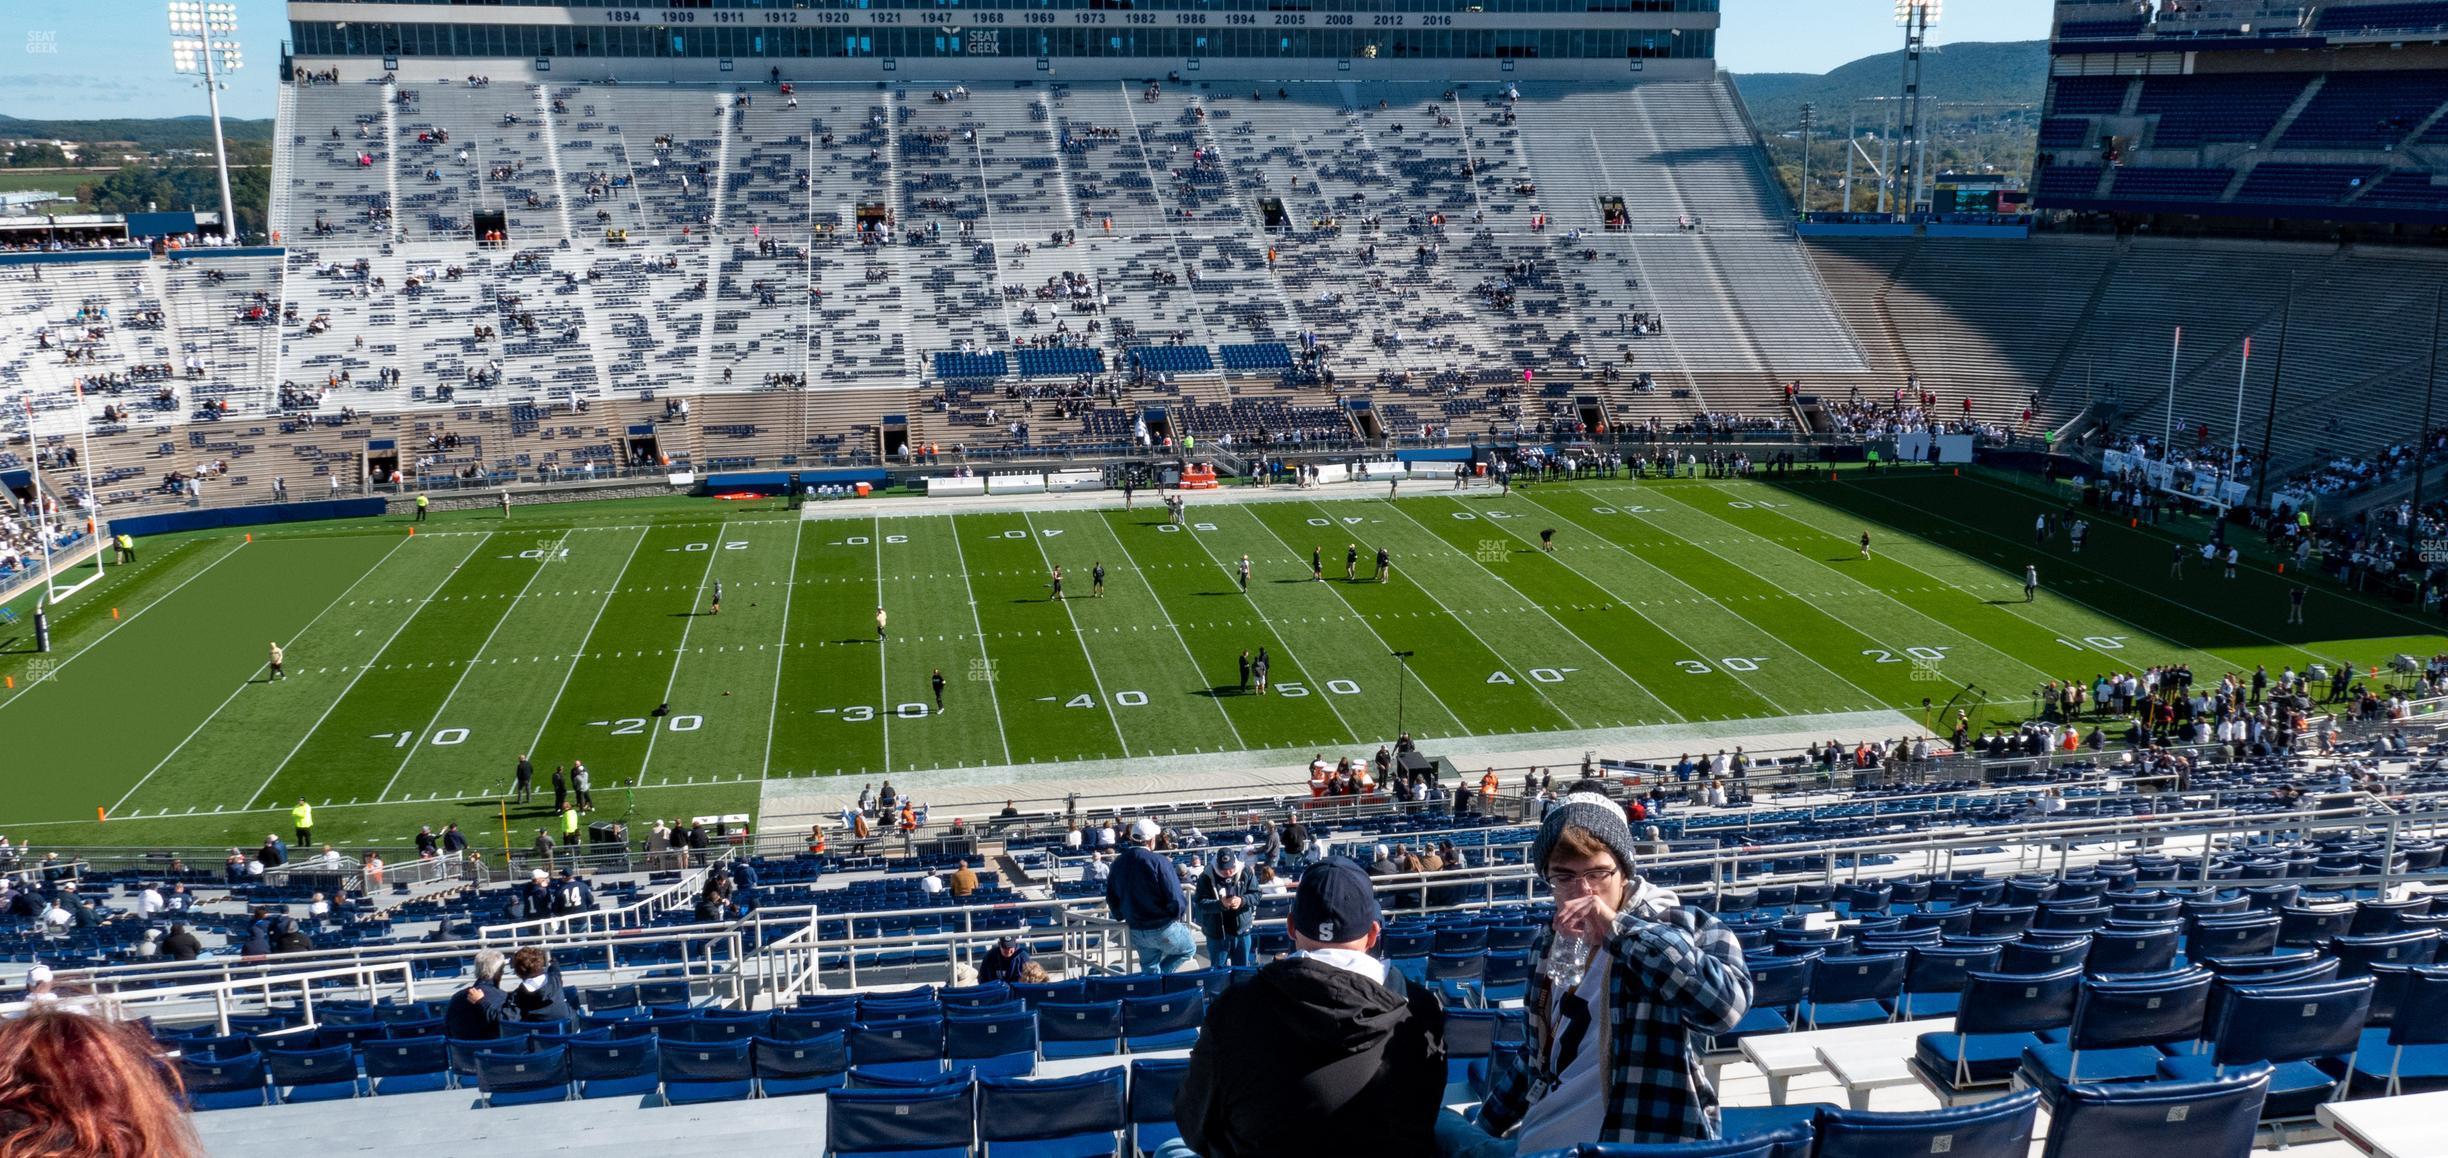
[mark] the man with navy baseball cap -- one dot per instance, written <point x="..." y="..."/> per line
<point x="1325" y="1051"/>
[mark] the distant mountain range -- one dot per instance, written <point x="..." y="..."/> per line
<point x="148" y="134"/>
<point x="2008" y="72"/>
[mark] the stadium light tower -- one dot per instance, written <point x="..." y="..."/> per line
<point x="1915" y="17"/>
<point x="200" y="32"/>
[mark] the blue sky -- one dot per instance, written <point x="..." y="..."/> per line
<point x="111" y="58"/>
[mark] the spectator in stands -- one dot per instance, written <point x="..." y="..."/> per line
<point x="88" y="1086"/>
<point x="572" y="894"/>
<point x="1226" y="908"/>
<point x="1325" y="1051"/>
<point x="181" y="944"/>
<point x="1005" y="962"/>
<point x="476" y="1012"/>
<point x="1625" y="950"/>
<point x="964" y="880"/>
<point x="537" y="996"/>
<point x="532" y="900"/>
<point x="273" y="854"/>
<point x="1143" y="891"/>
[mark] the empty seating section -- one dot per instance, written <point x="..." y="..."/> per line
<point x="2101" y="29"/>
<point x="2165" y="184"/>
<point x="2090" y="95"/>
<point x="2406" y="17"/>
<point x="2197" y="110"/>
<point x="2367" y="110"/>
<point x="2409" y="190"/>
<point x="2063" y="182"/>
<point x="2287" y="182"/>
<point x="2064" y="132"/>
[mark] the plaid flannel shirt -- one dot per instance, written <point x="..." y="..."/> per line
<point x="1673" y="972"/>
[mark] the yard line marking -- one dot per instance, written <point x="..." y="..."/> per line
<point x="250" y="677"/>
<point x="362" y="669"/>
<point x="582" y="653"/>
<point x="1218" y="701"/>
<point x="773" y="712"/>
<point x="1474" y="632"/>
<point x="2069" y="563"/>
<point x="138" y="614"/>
<point x="1119" y="737"/>
<point x="961" y="559"/>
<point x="413" y="748"/>
<point x="1873" y="588"/>
<point x="1434" y="698"/>
<point x="884" y="712"/>
<point x="1874" y="701"/>
<point x="1263" y="621"/>
<point x="713" y="551"/>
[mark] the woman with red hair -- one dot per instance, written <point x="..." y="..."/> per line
<point x="79" y="1086"/>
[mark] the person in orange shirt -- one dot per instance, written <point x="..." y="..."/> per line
<point x="1487" y="785"/>
<point x="909" y="819"/>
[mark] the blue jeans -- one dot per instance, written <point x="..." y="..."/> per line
<point x="1174" y="1148"/>
<point x="1229" y="948"/>
<point x="1164" y="950"/>
<point x="1459" y="1137"/>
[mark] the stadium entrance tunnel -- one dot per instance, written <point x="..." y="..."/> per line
<point x="892" y="436"/>
<point x="492" y="228"/>
<point x="1611" y="210"/>
<point x="643" y="445"/>
<point x="1273" y="208"/>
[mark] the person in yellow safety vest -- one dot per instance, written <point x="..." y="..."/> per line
<point x="127" y="548"/>
<point x="569" y="826"/>
<point x="302" y="819"/>
<point x="422" y="502"/>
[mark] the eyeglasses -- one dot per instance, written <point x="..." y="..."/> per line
<point x="1593" y="879"/>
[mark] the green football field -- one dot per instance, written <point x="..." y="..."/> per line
<point x="421" y="666"/>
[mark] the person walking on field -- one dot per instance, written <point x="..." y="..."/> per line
<point x="1245" y="570"/>
<point x="879" y="625"/>
<point x="1865" y="545"/>
<point x="1057" y="584"/>
<point x="505" y="502"/>
<point x="2295" y="602"/>
<point x="524" y="779"/>
<point x="1351" y="561"/>
<point x="1317" y="564"/>
<point x="582" y="786"/>
<point x="276" y="660"/>
<point x="1096" y="580"/>
<point x="422" y="503"/>
<point x="716" y="607"/>
<point x="1385" y="564"/>
<point x="560" y="783"/>
<point x="937" y="682"/>
<point x="2031" y="581"/>
<point x="1245" y="671"/>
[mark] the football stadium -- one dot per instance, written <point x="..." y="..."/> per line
<point x="895" y="578"/>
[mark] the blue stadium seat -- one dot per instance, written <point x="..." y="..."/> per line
<point x="800" y="1066"/>
<point x="519" y="1078"/>
<point x="937" y="1121"/>
<point x="2135" y="948"/>
<point x="2144" y="1119"/>
<point x="1080" y="1116"/>
<point x="1086" y="1029"/>
<point x="706" y="1071"/>
<point x="973" y="996"/>
<point x="1166" y="1021"/>
<point x="1506" y="976"/>
<point x="1470" y="1036"/>
<point x="995" y="1045"/>
<point x="2116" y="1030"/>
<point x="1933" y="984"/>
<point x="1854" y="990"/>
<point x="796" y="1024"/>
<point x="1061" y="992"/>
<point x="1153" y="1082"/>
<point x="2288" y="1027"/>
<point x="2002" y="1126"/>
<point x="1792" y="1141"/>
<point x="314" y="1075"/>
<point x="2357" y="954"/>
<point x="620" y="1067"/>
<point x="912" y="1048"/>
<point x="223" y="1083"/>
<point x="406" y="1065"/>
<point x="2001" y="1015"/>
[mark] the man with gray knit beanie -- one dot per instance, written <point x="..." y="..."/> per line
<point x="1627" y="978"/>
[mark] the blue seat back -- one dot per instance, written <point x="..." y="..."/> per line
<point x="2039" y="953"/>
<point x="2115" y="1014"/>
<point x="915" y="1039"/>
<point x="1780" y="982"/>
<point x="924" y="1120"/>
<point x="1064" y="992"/>
<point x="1790" y="1142"/>
<point x="707" y="1061"/>
<point x="1944" y="970"/>
<point x="305" y="1067"/>
<point x="2205" y="1118"/>
<point x="392" y="1057"/>
<point x="2018" y="1002"/>
<point x="1085" y="1021"/>
<point x="971" y="1037"/>
<point x="2357" y="954"/>
<point x="1168" y="1013"/>
<point x="2283" y="1023"/>
<point x="801" y="1059"/>
<point x="1085" y="1106"/>
<point x="1999" y="1127"/>
<point x="1153" y="1082"/>
<point x="627" y="1057"/>
<point x="1862" y="977"/>
<point x="2421" y="1014"/>
<point x="796" y="1024"/>
<point x="502" y="1071"/>
<point x="2135" y="948"/>
<point x="973" y="996"/>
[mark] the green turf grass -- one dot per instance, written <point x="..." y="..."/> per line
<point x="422" y="667"/>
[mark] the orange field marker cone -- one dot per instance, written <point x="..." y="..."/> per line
<point x="412" y="532"/>
<point x="12" y="682"/>
<point x="2282" y="568"/>
<point x="2133" y="523"/>
<point x="250" y="536"/>
<point x="114" y="613"/>
<point x="100" y="817"/>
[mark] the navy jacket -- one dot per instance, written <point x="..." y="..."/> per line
<point x="1144" y="890"/>
<point x="468" y="1020"/>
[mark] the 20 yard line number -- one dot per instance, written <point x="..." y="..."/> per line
<point x="639" y="725"/>
<point x="1907" y="655"/>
